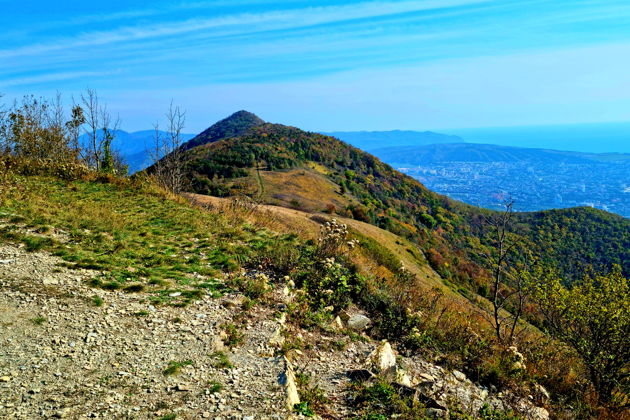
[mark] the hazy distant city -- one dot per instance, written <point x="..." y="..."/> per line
<point x="532" y="186"/>
<point x="487" y="174"/>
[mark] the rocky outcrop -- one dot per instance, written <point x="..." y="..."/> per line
<point x="439" y="389"/>
<point x="382" y="360"/>
<point x="287" y="379"/>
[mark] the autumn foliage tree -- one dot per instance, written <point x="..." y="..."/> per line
<point x="35" y="128"/>
<point x="40" y="129"/>
<point x="593" y="317"/>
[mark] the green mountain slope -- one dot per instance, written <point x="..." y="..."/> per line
<point x="276" y="163"/>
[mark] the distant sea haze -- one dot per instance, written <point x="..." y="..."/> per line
<point x="589" y="138"/>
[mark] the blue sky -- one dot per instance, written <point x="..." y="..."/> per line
<point x="328" y="65"/>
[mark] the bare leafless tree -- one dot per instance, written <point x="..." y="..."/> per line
<point x="55" y="131"/>
<point x="4" y="127"/>
<point x="166" y="152"/>
<point x="100" y="130"/>
<point x="508" y="279"/>
<point x="89" y="100"/>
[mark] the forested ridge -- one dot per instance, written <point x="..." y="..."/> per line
<point x="453" y="234"/>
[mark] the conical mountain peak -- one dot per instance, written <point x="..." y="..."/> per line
<point x="232" y="126"/>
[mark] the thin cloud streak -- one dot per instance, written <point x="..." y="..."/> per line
<point x="289" y="56"/>
<point x="278" y="20"/>
<point x="54" y="77"/>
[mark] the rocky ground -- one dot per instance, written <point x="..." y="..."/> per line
<point x="71" y="351"/>
<point x="62" y="356"/>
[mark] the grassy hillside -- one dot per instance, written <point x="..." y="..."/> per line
<point x="140" y="239"/>
<point x="276" y="163"/>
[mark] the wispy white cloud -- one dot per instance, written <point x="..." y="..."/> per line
<point x="546" y="86"/>
<point x="158" y="9"/>
<point x="274" y="20"/>
<point x="337" y="59"/>
<point x="55" y="77"/>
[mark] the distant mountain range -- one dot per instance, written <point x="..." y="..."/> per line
<point x="134" y="147"/>
<point x="478" y="174"/>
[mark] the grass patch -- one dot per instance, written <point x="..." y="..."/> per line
<point x="380" y="400"/>
<point x="221" y="360"/>
<point x="143" y="238"/>
<point x="215" y="387"/>
<point x="36" y="243"/>
<point x="234" y="335"/>
<point x="174" y="367"/>
<point x="38" y="320"/>
<point x="97" y="301"/>
<point x="303" y="409"/>
<point x="134" y="288"/>
<point x="313" y="398"/>
<point x="379" y="253"/>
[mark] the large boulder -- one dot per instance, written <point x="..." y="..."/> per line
<point x="358" y="322"/>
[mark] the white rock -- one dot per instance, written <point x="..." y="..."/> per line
<point x="425" y="377"/>
<point x="216" y="344"/>
<point x="49" y="280"/>
<point x="382" y="359"/>
<point x="288" y="380"/>
<point x="540" y="390"/>
<point x="277" y="339"/>
<point x="539" y="413"/>
<point x="403" y="378"/>
<point x="336" y="324"/>
<point x="459" y="375"/>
